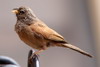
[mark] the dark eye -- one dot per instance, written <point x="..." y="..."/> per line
<point x="22" y="12"/>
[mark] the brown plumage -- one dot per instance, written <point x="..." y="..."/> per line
<point x="38" y="35"/>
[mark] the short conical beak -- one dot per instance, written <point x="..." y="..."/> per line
<point x="15" y="11"/>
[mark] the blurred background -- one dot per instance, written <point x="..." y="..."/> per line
<point x="77" y="20"/>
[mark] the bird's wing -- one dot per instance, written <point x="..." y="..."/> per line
<point x="46" y="32"/>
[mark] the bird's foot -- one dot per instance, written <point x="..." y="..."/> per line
<point x="34" y="55"/>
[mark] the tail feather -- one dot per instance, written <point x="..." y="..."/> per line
<point x="77" y="49"/>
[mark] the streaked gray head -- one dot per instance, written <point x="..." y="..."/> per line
<point x="24" y="14"/>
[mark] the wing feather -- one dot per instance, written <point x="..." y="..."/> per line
<point x="46" y="32"/>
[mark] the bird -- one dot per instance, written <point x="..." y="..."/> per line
<point x="35" y="33"/>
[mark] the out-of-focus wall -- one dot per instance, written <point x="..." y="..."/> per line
<point x="68" y="17"/>
<point x="94" y="9"/>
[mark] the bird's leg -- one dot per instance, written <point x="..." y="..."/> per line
<point x="35" y="53"/>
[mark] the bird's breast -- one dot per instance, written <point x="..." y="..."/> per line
<point x="30" y="37"/>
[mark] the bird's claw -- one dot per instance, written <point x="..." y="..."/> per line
<point x="34" y="55"/>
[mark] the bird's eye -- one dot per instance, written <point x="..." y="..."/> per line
<point x="22" y="12"/>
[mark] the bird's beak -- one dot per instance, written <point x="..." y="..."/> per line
<point x="15" y="11"/>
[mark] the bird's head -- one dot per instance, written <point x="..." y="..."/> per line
<point x="24" y="13"/>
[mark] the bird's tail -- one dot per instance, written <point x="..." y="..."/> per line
<point x="76" y="49"/>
